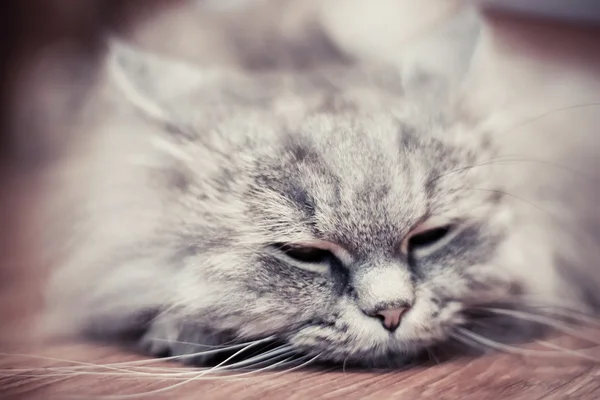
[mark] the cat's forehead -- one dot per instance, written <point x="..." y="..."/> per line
<point x="363" y="148"/>
<point x="358" y="178"/>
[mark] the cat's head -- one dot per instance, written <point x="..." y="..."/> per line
<point x="353" y="229"/>
<point x="360" y="237"/>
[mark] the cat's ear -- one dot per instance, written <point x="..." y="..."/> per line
<point x="430" y="40"/>
<point x="535" y="57"/>
<point x="151" y="82"/>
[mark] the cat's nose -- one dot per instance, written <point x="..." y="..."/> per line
<point x="391" y="317"/>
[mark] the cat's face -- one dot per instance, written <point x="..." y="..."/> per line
<point x="356" y="236"/>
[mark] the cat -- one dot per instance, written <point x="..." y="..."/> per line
<point x="324" y="209"/>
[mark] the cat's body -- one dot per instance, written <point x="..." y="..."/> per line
<point x="182" y="234"/>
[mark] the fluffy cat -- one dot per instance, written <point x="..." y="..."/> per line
<point x="323" y="208"/>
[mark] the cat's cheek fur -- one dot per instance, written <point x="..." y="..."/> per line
<point x="251" y="298"/>
<point x="429" y="321"/>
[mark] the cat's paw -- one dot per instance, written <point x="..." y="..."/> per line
<point x="185" y="342"/>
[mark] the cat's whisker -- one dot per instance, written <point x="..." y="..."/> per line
<point x="460" y="337"/>
<point x="202" y="376"/>
<point x="543" y="320"/>
<point x="578" y="316"/>
<point x="546" y="163"/>
<point x="344" y="365"/>
<point x="566" y="311"/>
<point x="526" y="201"/>
<point x="288" y="361"/>
<point x="101" y="371"/>
<point x="528" y="121"/>
<point x="278" y="352"/>
<point x="136" y="374"/>
<point x="79" y="364"/>
<point x="296" y="363"/>
<point x="221" y="347"/>
<point x="287" y="358"/>
<point x="579" y="235"/>
<point x="489" y="162"/>
<point x="508" y="160"/>
<point x="198" y="376"/>
<point x="216" y="350"/>
<point x="121" y="367"/>
<point x="432" y="356"/>
<point x="474" y="340"/>
<point x="273" y="362"/>
<point x="34" y="373"/>
<point x="583" y="353"/>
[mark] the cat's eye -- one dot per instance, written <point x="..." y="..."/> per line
<point x="309" y="255"/>
<point x="317" y="256"/>
<point x="426" y="237"/>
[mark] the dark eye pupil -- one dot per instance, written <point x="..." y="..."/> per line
<point x="306" y="254"/>
<point x="428" y="238"/>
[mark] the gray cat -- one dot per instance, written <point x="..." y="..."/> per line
<point x="322" y="208"/>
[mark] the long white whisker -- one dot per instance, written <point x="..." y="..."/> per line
<point x="344" y="365"/>
<point x="185" y="382"/>
<point x="571" y="313"/>
<point x="240" y="376"/>
<point x="287" y="361"/>
<point x="80" y="365"/>
<point x="513" y="159"/>
<point x="524" y="200"/>
<point x="474" y="340"/>
<point x="83" y="368"/>
<point x="569" y="310"/>
<point x="541" y="320"/>
<point x="299" y="366"/>
<point x="578" y="353"/>
<point x="432" y="356"/>
<point x="224" y="346"/>
<point x="468" y="337"/>
<point x="532" y="119"/>
<point x="202" y="376"/>
<point x="281" y="351"/>
<point x="157" y="376"/>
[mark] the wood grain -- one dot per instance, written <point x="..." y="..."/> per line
<point x="493" y="377"/>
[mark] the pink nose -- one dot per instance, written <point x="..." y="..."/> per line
<point x="390" y="317"/>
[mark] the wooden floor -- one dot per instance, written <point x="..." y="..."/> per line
<point x="30" y="370"/>
<point x="485" y="378"/>
<point x="490" y="377"/>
